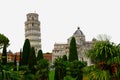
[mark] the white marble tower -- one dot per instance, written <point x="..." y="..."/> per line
<point x="32" y="30"/>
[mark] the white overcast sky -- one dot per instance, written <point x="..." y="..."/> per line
<point x="59" y="20"/>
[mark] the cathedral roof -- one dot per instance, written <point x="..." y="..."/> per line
<point x="78" y="32"/>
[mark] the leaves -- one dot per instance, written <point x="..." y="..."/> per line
<point x="106" y="56"/>
<point x="26" y="52"/>
<point x="73" y="55"/>
<point x="99" y="75"/>
<point x="40" y="55"/>
<point x="102" y="51"/>
<point x="3" y="41"/>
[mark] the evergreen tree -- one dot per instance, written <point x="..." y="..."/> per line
<point x="4" y="55"/>
<point x="26" y="52"/>
<point x="40" y="55"/>
<point x="73" y="55"/>
<point x="32" y="60"/>
<point x="15" y="63"/>
<point x="20" y="58"/>
<point x="56" y="76"/>
<point x="64" y="58"/>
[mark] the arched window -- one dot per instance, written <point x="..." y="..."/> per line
<point x="32" y="24"/>
<point x="32" y="18"/>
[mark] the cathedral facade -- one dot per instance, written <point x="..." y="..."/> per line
<point x="82" y="46"/>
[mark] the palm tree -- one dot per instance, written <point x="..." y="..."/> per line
<point x="42" y="70"/>
<point x="94" y="73"/>
<point x="8" y="73"/>
<point x="106" y="56"/>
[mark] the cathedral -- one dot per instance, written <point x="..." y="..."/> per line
<point x="33" y="33"/>
<point x="82" y="46"/>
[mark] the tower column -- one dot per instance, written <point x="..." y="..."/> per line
<point x="32" y="30"/>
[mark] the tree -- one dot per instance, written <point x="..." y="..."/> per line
<point x="40" y="55"/>
<point x="32" y="60"/>
<point x="69" y="78"/>
<point x="10" y="75"/>
<point x="42" y="70"/>
<point x="73" y="54"/>
<point x="76" y="69"/>
<point x="20" y="62"/>
<point x="28" y="76"/>
<point x="60" y="69"/>
<point x="3" y="41"/>
<point x="26" y="52"/>
<point x="67" y="68"/>
<point x="4" y="55"/>
<point x="102" y="51"/>
<point x="64" y="57"/>
<point x="94" y="73"/>
<point x="106" y="56"/>
<point x="15" y="63"/>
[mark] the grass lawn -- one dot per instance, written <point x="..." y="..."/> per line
<point x="51" y="75"/>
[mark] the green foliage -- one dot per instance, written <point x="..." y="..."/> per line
<point x="28" y="76"/>
<point x="94" y="73"/>
<point x="11" y="75"/>
<point x="102" y="51"/>
<point x="76" y="69"/>
<point x="4" y="55"/>
<point x="42" y="70"/>
<point x="40" y="55"/>
<point x="66" y="68"/>
<point x="15" y="63"/>
<point x="32" y="60"/>
<point x="8" y="72"/>
<point x="100" y="75"/>
<point x="32" y="57"/>
<point x="26" y="52"/>
<point x="20" y="62"/>
<point x="73" y="55"/>
<point x="3" y="41"/>
<point x="64" y="58"/>
<point x="69" y="78"/>
<point x="60" y="69"/>
<point x="106" y="56"/>
<point x="1" y="68"/>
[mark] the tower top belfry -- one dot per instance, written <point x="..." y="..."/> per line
<point x="32" y="30"/>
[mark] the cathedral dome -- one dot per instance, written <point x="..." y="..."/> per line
<point x="79" y="37"/>
<point x="78" y="32"/>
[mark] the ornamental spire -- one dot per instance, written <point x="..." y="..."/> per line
<point x="78" y="27"/>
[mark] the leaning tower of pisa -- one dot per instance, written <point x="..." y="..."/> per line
<point x="32" y="30"/>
